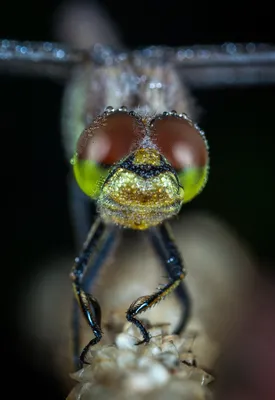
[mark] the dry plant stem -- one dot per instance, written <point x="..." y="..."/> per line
<point x="166" y="368"/>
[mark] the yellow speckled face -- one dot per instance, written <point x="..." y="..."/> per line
<point x="141" y="192"/>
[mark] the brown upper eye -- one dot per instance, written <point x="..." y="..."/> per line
<point x="180" y="142"/>
<point x="109" y="138"/>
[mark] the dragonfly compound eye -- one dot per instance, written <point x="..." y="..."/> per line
<point x="185" y="147"/>
<point x="109" y="138"/>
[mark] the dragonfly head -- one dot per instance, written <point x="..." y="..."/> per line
<point x="141" y="168"/>
<point x="140" y="191"/>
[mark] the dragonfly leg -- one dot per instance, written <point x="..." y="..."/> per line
<point x="176" y="272"/>
<point x="94" y="253"/>
<point x="181" y="290"/>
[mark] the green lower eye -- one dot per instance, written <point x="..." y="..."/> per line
<point x="193" y="180"/>
<point x="89" y="176"/>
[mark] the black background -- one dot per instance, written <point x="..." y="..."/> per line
<point x="239" y="124"/>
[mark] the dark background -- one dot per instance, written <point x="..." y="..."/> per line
<point x="239" y="124"/>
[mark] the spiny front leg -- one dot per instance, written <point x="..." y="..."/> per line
<point x="177" y="274"/>
<point x="88" y="304"/>
<point x="92" y="313"/>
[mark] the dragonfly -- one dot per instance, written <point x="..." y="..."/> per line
<point x="134" y="148"/>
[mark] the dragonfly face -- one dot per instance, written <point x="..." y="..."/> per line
<point x="156" y="163"/>
<point x="140" y="191"/>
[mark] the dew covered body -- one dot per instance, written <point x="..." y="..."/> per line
<point x="139" y="160"/>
